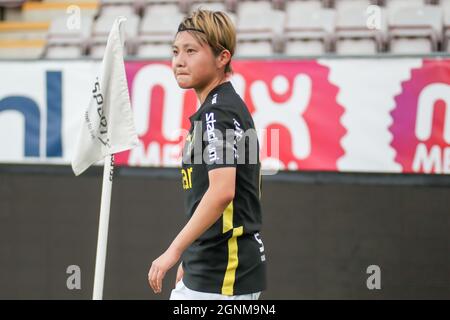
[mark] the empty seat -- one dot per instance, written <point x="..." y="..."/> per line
<point x="156" y="2"/>
<point x="11" y="3"/>
<point x="312" y="28"/>
<point x="356" y="46"/>
<point x="157" y="31"/>
<point x="445" y="6"/>
<point x="411" y="46"/>
<point x="181" y="5"/>
<point x="156" y="26"/>
<point x="44" y="11"/>
<point x="304" y="47"/>
<point x="301" y="5"/>
<point x="416" y="23"/>
<point x="154" y="50"/>
<point x="97" y="51"/>
<point x="254" y="49"/>
<point x="260" y="25"/>
<point x="64" y="52"/>
<point x="63" y="31"/>
<point x="23" y="30"/>
<point x="12" y="14"/>
<point x="343" y="5"/>
<point x="116" y="2"/>
<point x="395" y="5"/>
<point x="102" y="27"/>
<point x="213" y="6"/>
<point x="352" y="28"/>
<point x="22" y="49"/>
<point x="162" y="9"/>
<point x="258" y="16"/>
<point x="118" y="10"/>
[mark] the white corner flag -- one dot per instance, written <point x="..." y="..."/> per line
<point x="107" y="128"/>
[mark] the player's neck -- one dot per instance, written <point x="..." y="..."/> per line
<point x="202" y="93"/>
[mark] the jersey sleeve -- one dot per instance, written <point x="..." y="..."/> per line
<point x="219" y="138"/>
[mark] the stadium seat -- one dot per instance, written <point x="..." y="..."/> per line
<point x="413" y="45"/>
<point x="159" y="2"/>
<point x="162" y="9"/>
<point x="344" y="5"/>
<point x="308" y="30"/>
<point x="356" y="46"/>
<point x="102" y="27"/>
<point x="353" y="33"/>
<point x="181" y="5"/>
<point x="157" y="30"/>
<point x="394" y="5"/>
<point x="11" y="3"/>
<point x="62" y="33"/>
<point x="63" y="51"/>
<point x="444" y="3"/>
<point x="445" y="6"/>
<point x="118" y="10"/>
<point x="11" y="13"/>
<point x="213" y="6"/>
<point x="158" y="25"/>
<point x="418" y="25"/>
<point x="254" y="48"/>
<point x="301" y="5"/>
<point x="117" y="2"/>
<point x="22" y="49"/>
<point x="23" y="30"/>
<point x="304" y="47"/>
<point x="47" y="11"/>
<point x="97" y="50"/>
<point x="135" y="5"/>
<point x="260" y="25"/>
<point x="154" y="50"/>
<point x="255" y="16"/>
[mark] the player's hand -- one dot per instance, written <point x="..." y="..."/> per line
<point x="180" y="273"/>
<point x="160" y="267"/>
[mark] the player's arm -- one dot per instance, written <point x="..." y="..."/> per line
<point x="221" y="168"/>
<point x="219" y="194"/>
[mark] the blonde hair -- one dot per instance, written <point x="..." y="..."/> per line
<point x="214" y="28"/>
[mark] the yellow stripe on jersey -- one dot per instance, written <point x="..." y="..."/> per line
<point x="233" y="260"/>
<point x="228" y="218"/>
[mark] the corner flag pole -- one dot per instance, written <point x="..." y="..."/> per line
<point x="102" y="240"/>
<point x="107" y="128"/>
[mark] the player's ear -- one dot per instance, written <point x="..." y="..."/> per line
<point x="223" y="58"/>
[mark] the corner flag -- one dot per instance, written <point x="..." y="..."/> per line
<point x="107" y="128"/>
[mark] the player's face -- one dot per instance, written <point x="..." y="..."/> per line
<point x="193" y="63"/>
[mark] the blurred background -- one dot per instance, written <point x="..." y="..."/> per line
<point x="357" y="93"/>
<point x="265" y="28"/>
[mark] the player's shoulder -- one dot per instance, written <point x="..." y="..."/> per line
<point x="225" y="101"/>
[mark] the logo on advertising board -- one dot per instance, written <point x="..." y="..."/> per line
<point x="296" y="98"/>
<point x="42" y="122"/>
<point x="421" y="120"/>
<point x="293" y="98"/>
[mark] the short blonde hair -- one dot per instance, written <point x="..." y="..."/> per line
<point x="214" y="28"/>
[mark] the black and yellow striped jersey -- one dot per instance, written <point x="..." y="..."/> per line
<point x="229" y="257"/>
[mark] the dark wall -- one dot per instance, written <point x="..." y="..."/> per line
<point x="319" y="238"/>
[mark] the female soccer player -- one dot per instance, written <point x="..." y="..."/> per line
<point x="222" y="254"/>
